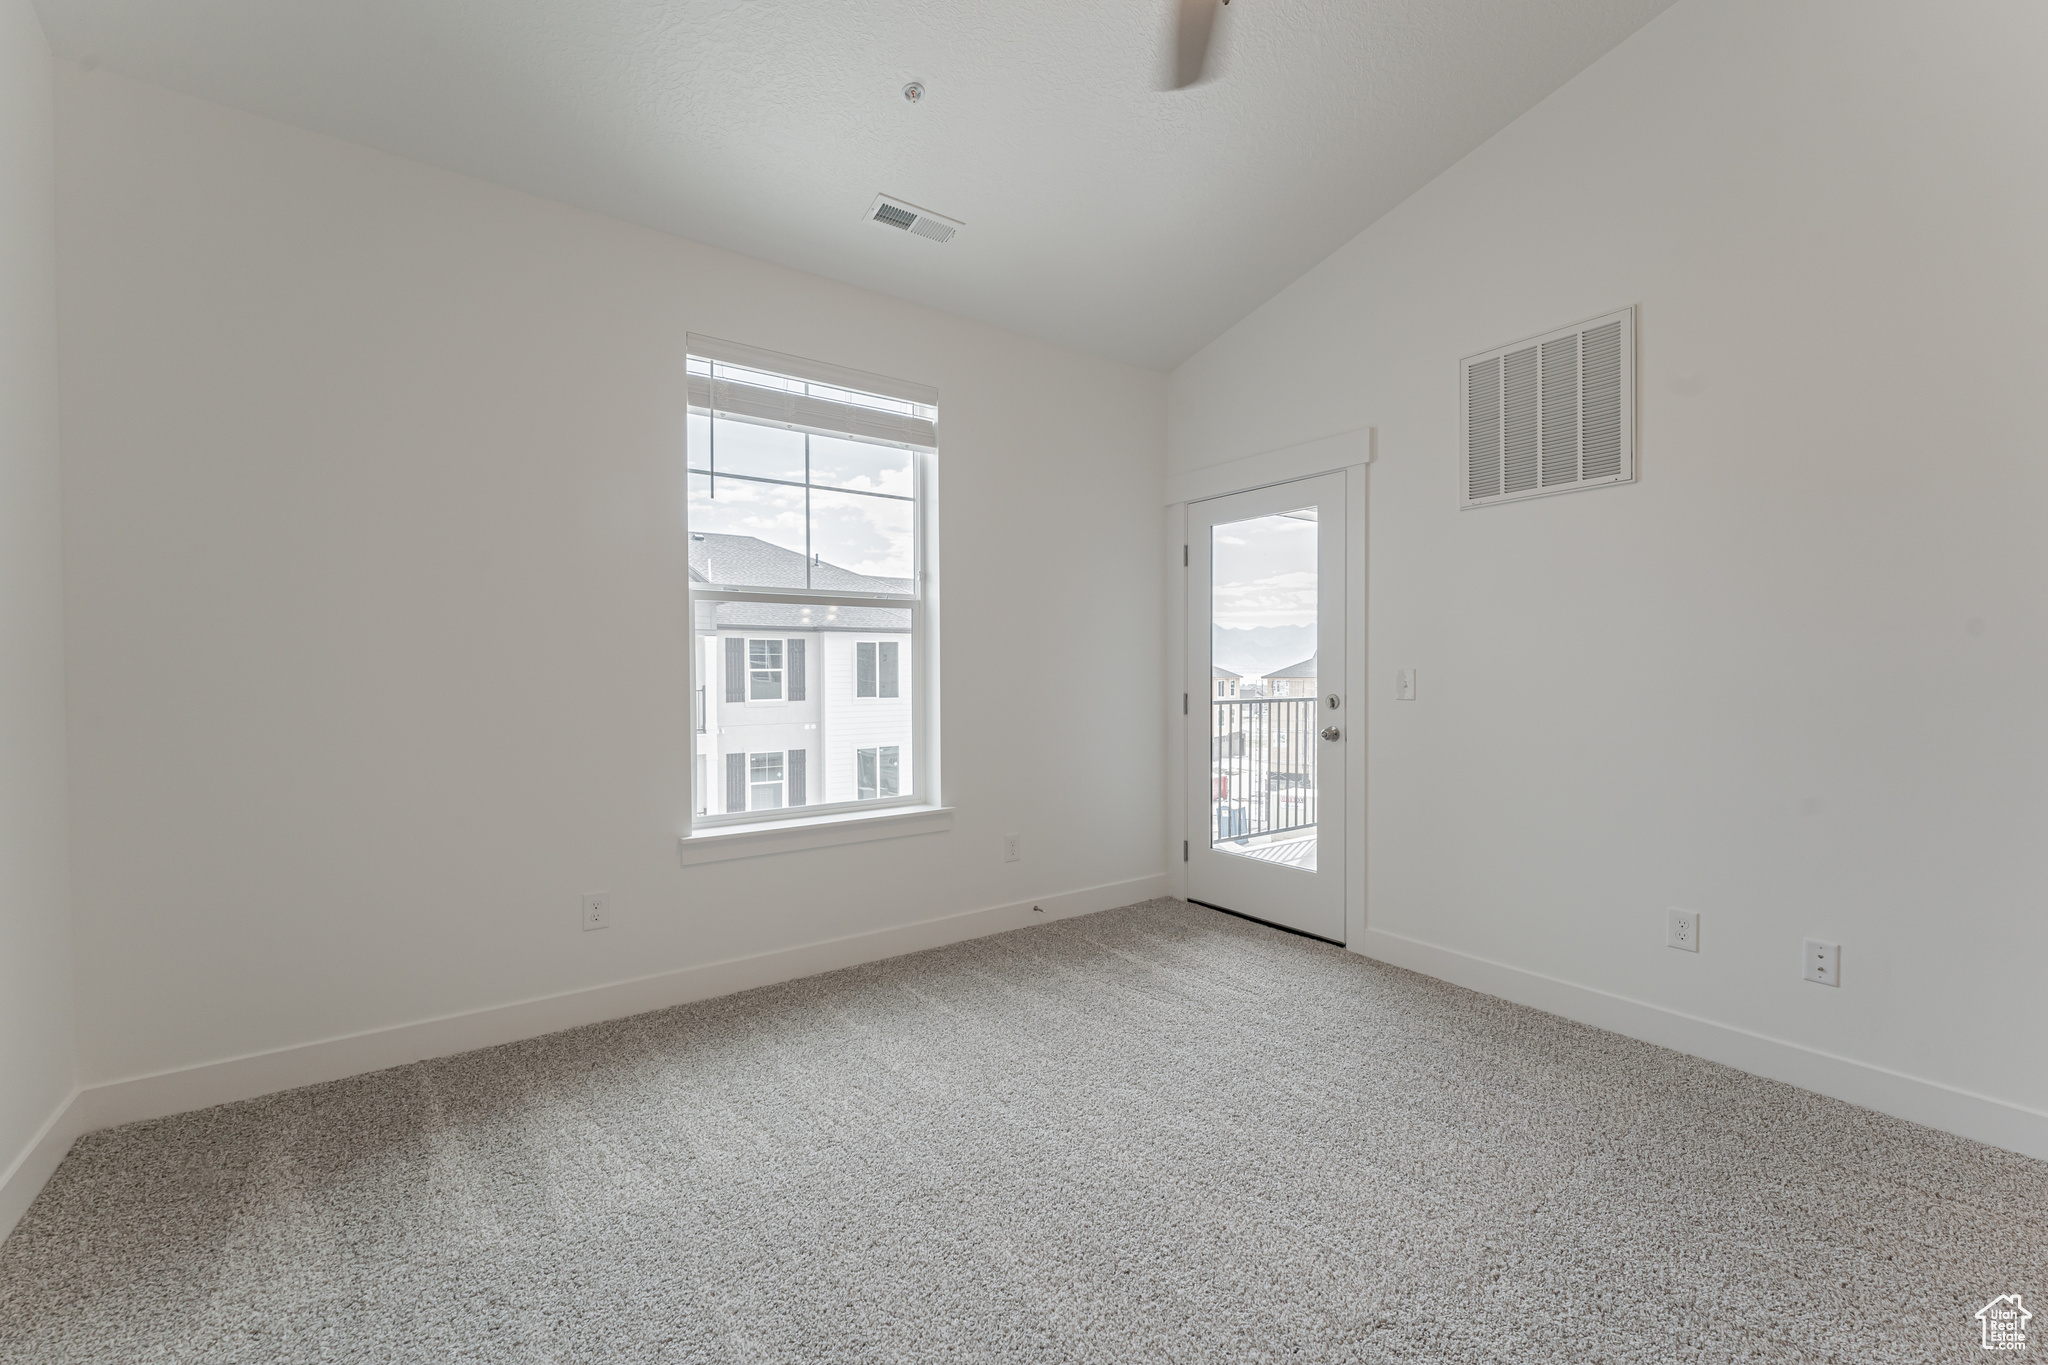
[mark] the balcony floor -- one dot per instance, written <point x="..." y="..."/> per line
<point x="1288" y="850"/>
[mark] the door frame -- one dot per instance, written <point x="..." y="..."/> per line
<point x="1350" y="454"/>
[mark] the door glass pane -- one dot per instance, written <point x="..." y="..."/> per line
<point x="1263" y="697"/>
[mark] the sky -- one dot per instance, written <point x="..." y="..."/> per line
<point x="1265" y="572"/>
<point x="868" y="535"/>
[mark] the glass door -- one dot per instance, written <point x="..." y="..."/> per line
<point x="1266" y="713"/>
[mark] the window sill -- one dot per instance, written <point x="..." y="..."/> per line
<point x="818" y="831"/>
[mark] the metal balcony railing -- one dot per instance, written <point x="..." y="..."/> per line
<point x="1263" y="766"/>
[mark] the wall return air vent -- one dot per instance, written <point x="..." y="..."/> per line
<point x="894" y="213"/>
<point x="1550" y="414"/>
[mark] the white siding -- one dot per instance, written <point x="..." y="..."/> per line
<point x="774" y="727"/>
<point x="853" y="723"/>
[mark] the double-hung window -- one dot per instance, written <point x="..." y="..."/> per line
<point x="878" y="772"/>
<point x="876" y="669"/>
<point x="808" y="503"/>
<point x="765" y="776"/>
<point x="764" y="670"/>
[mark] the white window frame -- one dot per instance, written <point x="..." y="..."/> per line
<point x="877" y="644"/>
<point x="781" y="671"/>
<point x="917" y="778"/>
<point x="781" y="782"/>
<point x="877" y="750"/>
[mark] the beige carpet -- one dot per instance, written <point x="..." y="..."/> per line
<point x="1158" y="1134"/>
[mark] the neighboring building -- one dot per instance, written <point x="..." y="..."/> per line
<point x="1296" y="680"/>
<point x="797" y="705"/>
<point x="1226" y="722"/>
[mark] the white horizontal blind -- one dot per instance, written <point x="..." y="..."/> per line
<point x="754" y="385"/>
<point x="1549" y="414"/>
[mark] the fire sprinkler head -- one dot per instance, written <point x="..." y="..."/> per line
<point x="914" y="91"/>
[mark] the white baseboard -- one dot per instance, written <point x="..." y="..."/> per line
<point x="263" y="1073"/>
<point x="23" y="1180"/>
<point x="1965" y="1113"/>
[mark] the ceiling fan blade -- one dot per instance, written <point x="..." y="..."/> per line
<point x="1191" y="40"/>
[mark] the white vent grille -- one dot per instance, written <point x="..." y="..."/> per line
<point x="1549" y="414"/>
<point x="901" y="217"/>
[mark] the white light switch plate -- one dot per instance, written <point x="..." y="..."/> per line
<point x="1824" y="962"/>
<point x="1404" y="685"/>
<point x="1682" y="930"/>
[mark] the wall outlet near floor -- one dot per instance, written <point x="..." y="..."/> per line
<point x="1404" y="685"/>
<point x="597" y="911"/>
<point x="1682" y="930"/>
<point x="1824" y="962"/>
<point x="1013" y="848"/>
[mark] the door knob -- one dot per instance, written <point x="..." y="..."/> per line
<point x="1330" y="733"/>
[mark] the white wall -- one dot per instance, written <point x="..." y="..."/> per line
<point x="1796" y="679"/>
<point x="36" y="1049"/>
<point x="378" y="647"/>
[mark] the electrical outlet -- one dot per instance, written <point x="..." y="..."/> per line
<point x="1682" y="930"/>
<point x="1404" y="685"/>
<point x="1824" y="962"/>
<point x="1013" y="848"/>
<point x="597" y="911"/>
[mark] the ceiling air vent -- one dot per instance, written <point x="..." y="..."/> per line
<point x="910" y="218"/>
<point x="1550" y="414"/>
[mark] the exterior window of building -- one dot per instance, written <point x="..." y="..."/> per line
<point x="765" y="777"/>
<point x="808" y="488"/>
<point x="878" y="772"/>
<point x="1296" y="680"/>
<point x="875" y="669"/>
<point x="764" y="670"/>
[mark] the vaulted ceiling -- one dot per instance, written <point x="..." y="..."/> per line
<point x="1102" y="212"/>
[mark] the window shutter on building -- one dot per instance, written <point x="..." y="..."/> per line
<point x="735" y="782"/>
<point x="1550" y="414"/>
<point x="735" y="669"/>
<point x="795" y="664"/>
<point x="798" y="792"/>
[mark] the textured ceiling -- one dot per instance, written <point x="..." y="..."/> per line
<point x="1101" y="212"/>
